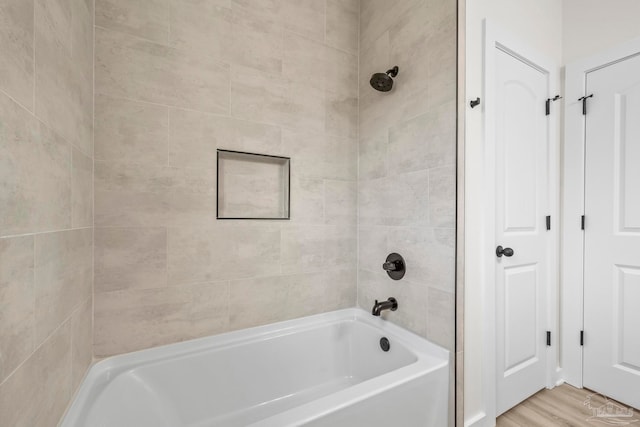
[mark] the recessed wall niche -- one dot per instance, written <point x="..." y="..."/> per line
<point x="252" y="186"/>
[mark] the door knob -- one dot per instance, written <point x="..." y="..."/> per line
<point x="504" y="251"/>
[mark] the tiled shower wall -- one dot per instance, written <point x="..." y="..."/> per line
<point x="407" y="143"/>
<point x="175" y="80"/>
<point x="46" y="201"/>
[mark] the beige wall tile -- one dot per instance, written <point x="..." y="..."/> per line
<point x="440" y="318"/>
<point x="423" y="142"/>
<point x="395" y="200"/>
<point x="63" y="91"/>
<point x="81" y="325"/>
<point x="373" y="247"/>
<point x="222" y="252"/>
<point x="131" y="209"/>
<point x="16" y="50"/>
<point x="38" y="392"/>
<point x="194" y="138"/>
<point x="131" y="131"/>
<point x="203" y="26"/>
<point x="306" y="17"/>
<point x="138" y="69"/>
<point x="81" y="189"/>
<point x="154" y="196"/>
<point x="302" y="249"/>
<point x="307" y="201"/>
<point x="247" y="301"/>
<point x="442" y="197"/>
<point x="342" y="24"/>
<point x="35" y="169"/>
<point x="130" y="258"/>
<point x="373" y="156"/>
<point x="17" y="317"/>
<point x="256" y="35"/>
<point x="270" y="99"/>
<point x="148" y="19"/>
<point x="340" y="202"/>
<point x="406" y="187"/>
<point x="135" y="319"/>
<point x="341" y="114"/>
<point x="428" y="252"/>
<point x="63" y="276"/>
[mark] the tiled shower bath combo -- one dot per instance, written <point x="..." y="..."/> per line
<point x="122" y="231"/>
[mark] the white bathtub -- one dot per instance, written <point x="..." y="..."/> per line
<point x="324" y="370"/>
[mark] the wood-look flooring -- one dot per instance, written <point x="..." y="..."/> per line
<point x="564" y="406"/>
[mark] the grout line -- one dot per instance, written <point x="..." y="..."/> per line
<point x="34" y="57"/>
<point x="36" y="233"/>
<point x="93" y="191"/>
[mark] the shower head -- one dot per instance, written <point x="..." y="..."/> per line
<point x="384" y="81"/>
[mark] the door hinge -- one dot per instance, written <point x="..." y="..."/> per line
<point x="548" y="222"/>
<point x="547" y="104"/>
<point x="584" y="103"/>
<point x="581" y="338"/>
<point x="582" y="222"/>
<point x="548" y="338"/>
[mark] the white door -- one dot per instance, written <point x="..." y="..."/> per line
<point x="612" y="233"/>
<point x="521" y="184"/>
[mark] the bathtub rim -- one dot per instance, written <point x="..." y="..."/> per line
<point x="430" y="357"/>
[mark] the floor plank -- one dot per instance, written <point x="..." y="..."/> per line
<point x="564" y="406"/>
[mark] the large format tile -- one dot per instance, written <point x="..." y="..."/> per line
<point x="441" y="318"/>
<point x="343" y="24"/>
<point x="38" y="392"/>
<point x="442" y="197"/>
<point x="130" y="131"/>
<point x="81" y="190"/>
<point x="340" y="206"/>
<point x="423" y="142"/>
<point x="270" y="99"/>
<point x="256" y="36"/>
<point x="142" y="70"/>
<point x="247" y="299"/>
<point x="396" y="200"/>
<point x="63" y="79"/>
<point x="194" y="138"/>
<point x="130" y="258"/>
<point x="16" y="50"/>
<point x="35" y="169"/>
<point x="155" y="196"/>
<point x="81" y="324"/>
<point x="428" y="252"/>
<point x="129" y="320"/>
<point x="63" y="276"/>
<point x="201" y="25"/>
<point x="222" y="252"/>
<point x="17" y="316"/>
<point x="148" y="19"/>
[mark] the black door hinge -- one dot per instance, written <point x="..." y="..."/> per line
<point x="548" y="338"/>
<point x="582" y="222"/>
<point x="548" y="222"/>
<point x="582" y="338"/>
<point x="547" y="104"/>
<point x="584" y="103"/>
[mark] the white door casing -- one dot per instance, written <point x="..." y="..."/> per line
<point x="521" y="206"/>
<point x="612" y="232"/>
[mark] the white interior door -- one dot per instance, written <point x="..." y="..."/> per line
<point x="612" y="233"/>
<point x="522" y="196"/>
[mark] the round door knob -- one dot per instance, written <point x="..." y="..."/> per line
<point x="504" y="251"/>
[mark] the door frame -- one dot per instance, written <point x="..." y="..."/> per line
<point x="496" y="38"/>
<point x="573" y="180"/>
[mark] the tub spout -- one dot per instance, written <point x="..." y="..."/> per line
<point x="389" y="304"/>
